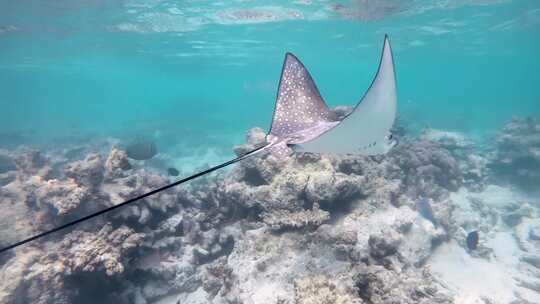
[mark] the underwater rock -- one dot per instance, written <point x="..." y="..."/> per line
<point x="6" y="164"/>
<point x="18" y="219"/>
<point x="475" y="171"/>
<point x="13" y="281"/>
<point x="6" y="178"/>
<point x="31" y="199"/>
<point x="63" y="196"/>
<point x="294" y="183"/>
<point x="516" y="158"/>
<point x="254" y="137"/>
<point x="534" y="233"/>
<point x="384" y="243"/>
<point x="472" y="162"/>
<point x="344" y="187"/>
<point x="73" y="153"/>
<point x="284" y="219"/>
<point x="533" y="260"/>
<point x="116" y="163"/>
<point x="320" y="289"/>
<point x="424" y="207"/>
<point x="513" y="213"/>
<point x="377" y="284"/>
<point x="447" y="139"/>
<point x="472" y="240"/>
<point x="88" y="172"/>
<point x="147" y="181"/>
<point x="80" y="256"/>
<point x="424" y="168"/>
<point x="29" y="162"/>
<point x="105" y="250"/>
<point x="141" y="149"/>
<point x="173" y="171"/>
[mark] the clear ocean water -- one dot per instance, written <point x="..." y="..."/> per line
<point x="192" y="77"/>
<point x="208" y="70"/>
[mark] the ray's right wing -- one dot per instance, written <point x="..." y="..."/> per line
<point x="366" y="130"/>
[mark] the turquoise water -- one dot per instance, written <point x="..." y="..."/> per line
<point x="191" y="77"/>
<point x="208" y="71"/>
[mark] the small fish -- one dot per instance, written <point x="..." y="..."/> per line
<point x="173" y="171"/>
<point x="472" y="240"/>
<point x="141" y="149"/>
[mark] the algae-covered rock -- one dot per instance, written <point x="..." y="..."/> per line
<point x="284" y="219"/>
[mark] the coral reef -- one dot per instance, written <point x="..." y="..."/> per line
<point x="29" y="162"/>
<point x="303" y="229"/>
<point x="64" y="196"/>
<point x="116" y="164"/>
<point x="44" y="275"/>
<point x="517" y="153"/>
<point x="88" y="172"/>
<point x="283" y="219"/>
<point x="320" y="289"/>
<point x="6" y="163"/>
<point x="424" y="169"/>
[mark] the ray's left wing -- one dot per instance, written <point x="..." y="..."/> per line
<point x="299" y="105"/>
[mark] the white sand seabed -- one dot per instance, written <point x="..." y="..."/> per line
<point x="475" y="279"/>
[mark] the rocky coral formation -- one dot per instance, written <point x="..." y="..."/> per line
<point x="378" y="284"/>
<point x="88" y="172"/>
<point x="303" y="229"/>
<point x="64" y="196"/>
<point x="517" y="153"/>
<point x="448" y="140"/>
<point x="6" y="163"/>
<point x="425" y="169"/>
<point x="473" y="161"/>
<point x="43" y="275"/>
<point x="29" y="162"/>
<point x="320" y="289"/>
<point x="283" y="219"/>
<point x="116" y="164"/>
<point x="36" y="203"/>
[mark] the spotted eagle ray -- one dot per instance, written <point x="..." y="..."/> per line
<point x="303" y="122"/>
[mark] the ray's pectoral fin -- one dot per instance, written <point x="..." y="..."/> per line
<point x="366" y="130"/>
<point x="300" y="112"/>
<point x="299" y="105"/>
